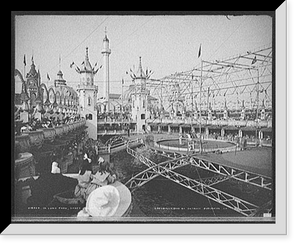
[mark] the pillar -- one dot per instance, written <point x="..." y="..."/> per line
<point x="240" y="133"/>
<point x="206" y="132"/>
<point x="222" y="132"/>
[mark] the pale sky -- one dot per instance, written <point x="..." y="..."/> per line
<point x="167" y="44"/>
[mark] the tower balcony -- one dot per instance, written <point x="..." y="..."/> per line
<point x="106" y="51"/>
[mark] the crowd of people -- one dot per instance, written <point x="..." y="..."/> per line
<point x="46" y="122"/>
<point x="87" y="180"/>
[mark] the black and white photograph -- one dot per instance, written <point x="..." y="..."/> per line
<point x="145" y="118"/>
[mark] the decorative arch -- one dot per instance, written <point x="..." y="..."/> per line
<point x="32" y="98"/>
<point x="51" y="92"/>
<point x="62" y="98"/>
<point x="57" y="97"/>
<point x="44" y="87"/>
<point x="19" y="74"/>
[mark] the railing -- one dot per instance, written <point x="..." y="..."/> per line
<point x="229" y="122"/>
<point x="37" y="138"/>
<point x="121" y="145"/>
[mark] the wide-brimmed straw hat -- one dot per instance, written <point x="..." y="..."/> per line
<point x="103" y="201"/>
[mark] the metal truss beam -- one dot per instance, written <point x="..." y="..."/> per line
<point x="150" y="173"/>
<point x="235" y="78"/>
<point x="225" y="170"/>
<point x="141" y="178"/>
<point x="239" y="205"/>
<point x="238" y="174"/>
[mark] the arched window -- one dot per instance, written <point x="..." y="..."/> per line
<point x="32" y="99"/>
<point x="89" y="101"/>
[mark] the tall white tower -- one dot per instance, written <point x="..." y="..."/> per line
<point x="106" y="52"/>
<point x="88" y="96"/>
<point x="139" y="99"/>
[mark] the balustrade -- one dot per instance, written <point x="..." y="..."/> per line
<point x="59" y="131"/>
<point x="229" y="122"/>
<point x="49" y="133"/>
<point x="24" y="166"/>
<point x="36" y="139"/>
<point x="24" y="142"/>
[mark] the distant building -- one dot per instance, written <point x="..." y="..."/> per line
<point x="104" y="93"/>
<point x="88" y="96"/>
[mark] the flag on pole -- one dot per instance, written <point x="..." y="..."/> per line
<point x="77" y="69"/>
<point x="199" y="52"/>
<point x="24" y="61"/>
<point x="48" y="77"/>
<point x="254" y="60"/>
<point x="71" y="65"/>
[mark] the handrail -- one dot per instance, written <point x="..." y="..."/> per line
<point x="228" y="122"/>
<point x="38" y="137"/>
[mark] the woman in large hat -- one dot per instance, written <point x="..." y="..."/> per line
<point x="102" y="177"/>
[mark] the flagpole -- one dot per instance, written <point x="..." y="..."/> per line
<point x="200" y="114"/>
<point x="24" y="63"/>
<point x="122" y="102"/>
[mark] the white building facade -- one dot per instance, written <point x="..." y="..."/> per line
<point x="88" y="96"/>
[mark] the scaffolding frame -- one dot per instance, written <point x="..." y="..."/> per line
<point x="165" y="169"/>
<point x="225" y="83"/>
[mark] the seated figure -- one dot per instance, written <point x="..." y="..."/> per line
<point x="102" y="177"/>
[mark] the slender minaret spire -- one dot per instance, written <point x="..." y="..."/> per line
<point x="106" y="52"/>
<point x="86" y="54"/>
<point x="59" y="63"/>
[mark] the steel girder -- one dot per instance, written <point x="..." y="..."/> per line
<point x="245" y="77"/>
<point x="225" y="170"/>
<point x="239" y="205"/>
<point x="238" y="174"/>
<point x="150" y="173"/>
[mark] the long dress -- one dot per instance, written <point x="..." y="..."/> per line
<point x="99" y="179"/>
<point x="83" y="182"/>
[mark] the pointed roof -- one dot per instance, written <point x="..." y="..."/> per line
<point x="86" y="65"/>
<point x="60" y="80"/>
<point x="140" y="73"/>
<point x="105" y="37"/>
<point x="32" y="72"/>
